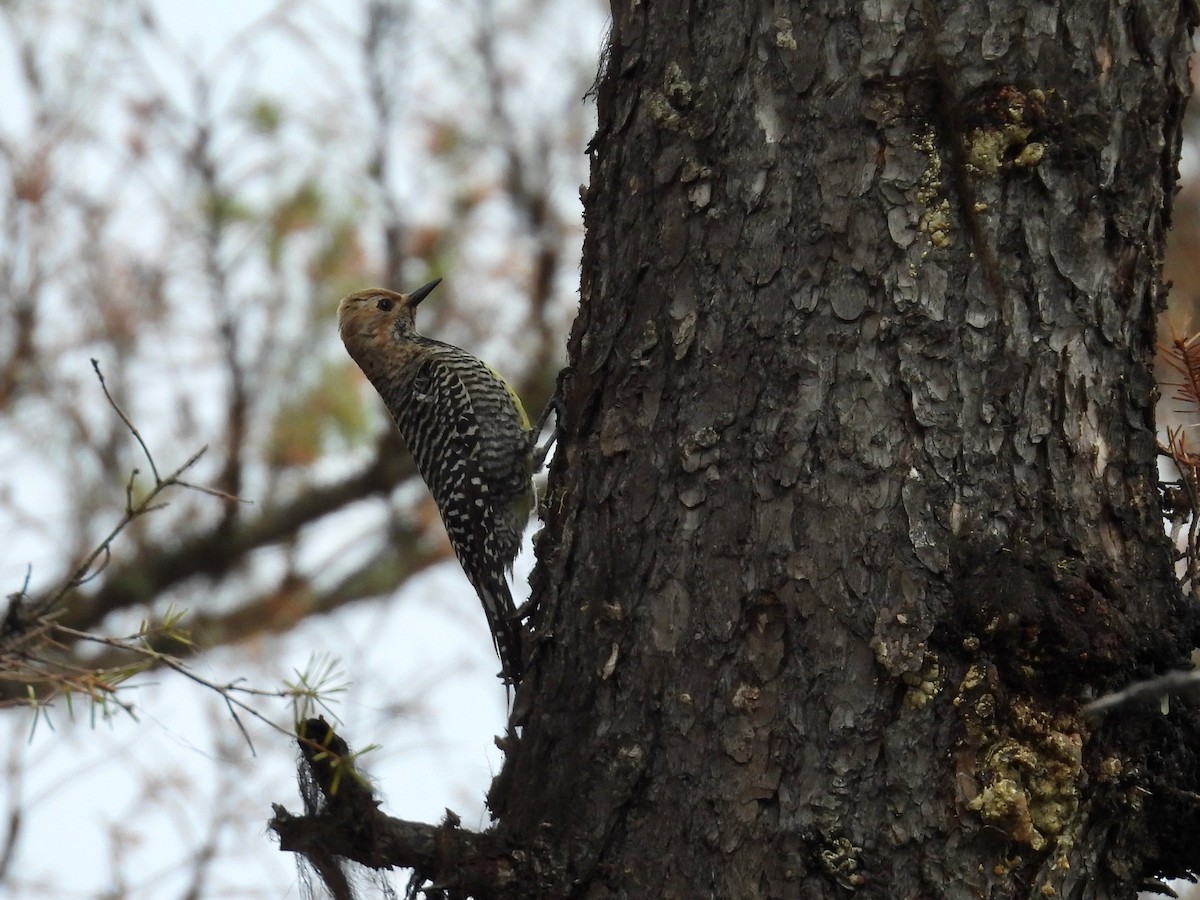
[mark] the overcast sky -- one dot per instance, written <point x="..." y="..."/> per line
<point x="420" y="667"/>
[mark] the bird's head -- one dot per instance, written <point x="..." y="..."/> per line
<point x="377" y="318"/>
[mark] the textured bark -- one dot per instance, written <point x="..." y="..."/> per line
<point x="856" y="504"/>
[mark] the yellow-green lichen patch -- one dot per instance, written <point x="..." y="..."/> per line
<point x="678" y="88"/>
<point x="986" y="148"/>
<point x="1002" y="130"/>
<point x="840" y="860"/>
<point x="662" y="112"/>
<point x="1031" y="779"/>
<point x="977" y="703"/>
<point x="675" y="106"/>
<point x="933" y="220"/>
<point x="923" y="686"/>
<point x="1031" y="155"/>
<point x="785" y="39"/>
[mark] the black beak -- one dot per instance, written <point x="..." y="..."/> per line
<point x="422" y="292"/>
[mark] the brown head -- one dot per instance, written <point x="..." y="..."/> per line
<point x="373" y="321"/>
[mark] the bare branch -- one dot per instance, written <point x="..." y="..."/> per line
<point x="1145" y="691"/>
<point x="137" y="435"/>
<point x="83" y="573"/>
<point x="30" y="632"/>
<point x="343" y="823"/>
<point x="227" y="691"/>
<point x="217" y="551"/>
<point x="397" y="561"/>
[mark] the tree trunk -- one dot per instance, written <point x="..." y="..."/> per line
<point x="856" y="506"/>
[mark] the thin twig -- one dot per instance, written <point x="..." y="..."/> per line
<point x="84" y="572"/>
<point x="137" y="645"/>
<point x="211" y="491"/>
<point x="128" y="424"/>
<point x="32" y="631"/>
<point x="147" y="505"/>
<point x="1150" y="689"/>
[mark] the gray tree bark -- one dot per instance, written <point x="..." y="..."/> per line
<point x="856" y="507"/>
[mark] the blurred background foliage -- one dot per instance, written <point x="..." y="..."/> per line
<point x="190" y="218"/>
<point x="190" y="189"/>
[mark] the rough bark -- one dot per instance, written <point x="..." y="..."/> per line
<point x="855" y="507"/>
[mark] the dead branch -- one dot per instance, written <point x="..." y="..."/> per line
<point x="214" y="553"/>
<point x="33" y="638"/>
<point x="88" y="569"/>
<point x="1150" y="690"/>
<point x="403" y="556"/>
<point x="343" y="824"/>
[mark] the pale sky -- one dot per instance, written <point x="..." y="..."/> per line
<point x="420" y="666"/>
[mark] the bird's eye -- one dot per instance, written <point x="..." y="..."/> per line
<point x="384" y="303"/>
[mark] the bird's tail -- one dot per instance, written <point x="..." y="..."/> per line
<point x="505" y="626"/>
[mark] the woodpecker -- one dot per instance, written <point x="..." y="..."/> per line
<point x="471" y="439"/>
